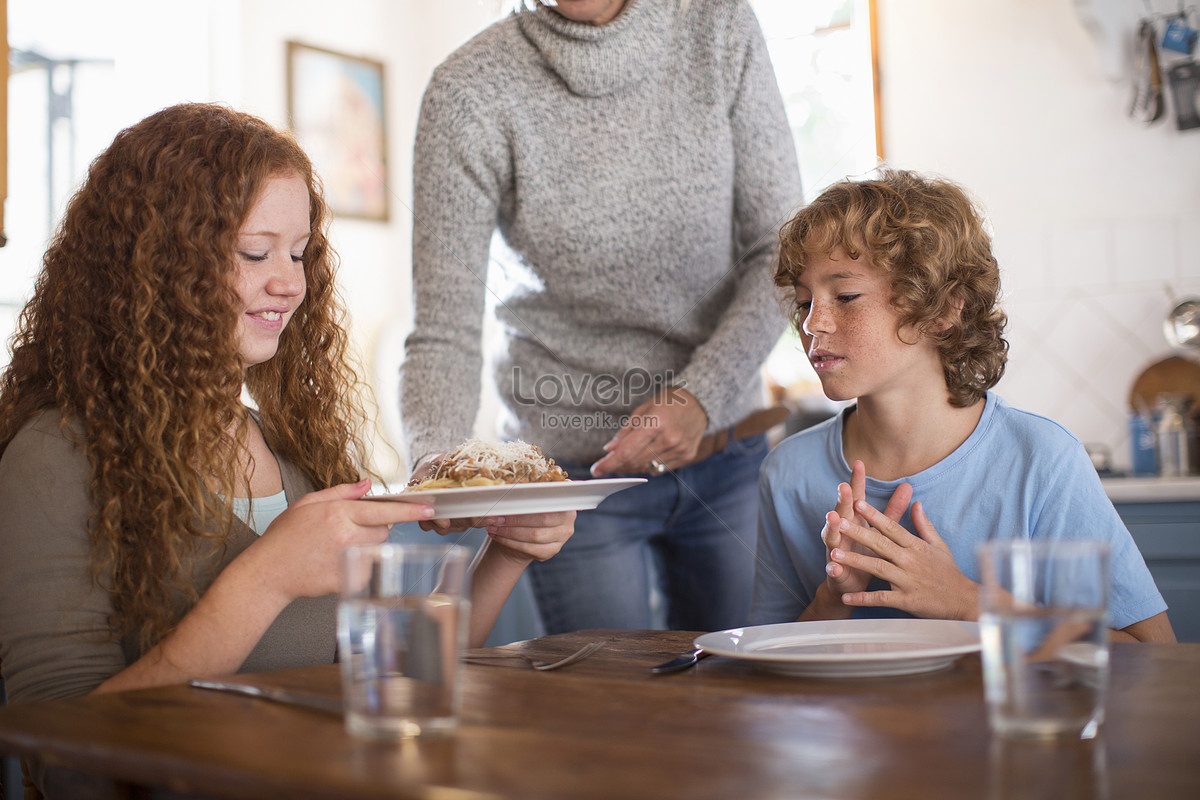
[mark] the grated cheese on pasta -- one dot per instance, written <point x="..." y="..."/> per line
<point x="479" y="463"/>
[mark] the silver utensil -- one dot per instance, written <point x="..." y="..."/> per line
<point x="680" y="663"/>
<point x="1182" y="325"/>
<point x="314" y="702"/>
<point x="543" y="666"/>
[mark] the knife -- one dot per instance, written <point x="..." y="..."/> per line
<point x="276" y="695"/>
<point x="681" y="663"/>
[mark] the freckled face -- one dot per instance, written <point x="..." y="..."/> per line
<point x="851" y="331"/>
<point x="270" y="265"/>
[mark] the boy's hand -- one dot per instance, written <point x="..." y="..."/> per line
<point x="842" y="579"/>
<point x="925" y="580"/>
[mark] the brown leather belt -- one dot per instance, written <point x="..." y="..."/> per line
<point x="753" y="424"/>
<point x="759" y="422"/>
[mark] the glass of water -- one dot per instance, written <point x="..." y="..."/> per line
<point x="1044" y="624"/>
<point x="402" y="628"/>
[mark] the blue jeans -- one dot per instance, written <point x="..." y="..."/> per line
<point x="686" y="537"/>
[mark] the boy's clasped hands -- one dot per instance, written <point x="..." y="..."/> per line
<point x="862" y="542"/>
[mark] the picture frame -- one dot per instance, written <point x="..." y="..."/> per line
<point x="336" y="108"/>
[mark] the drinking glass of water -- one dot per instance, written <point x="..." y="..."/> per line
<point x="1044" y="625"/>
<point x="402" y="628"/>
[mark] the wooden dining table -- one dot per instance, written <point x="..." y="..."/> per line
<point x="606" y="727"/>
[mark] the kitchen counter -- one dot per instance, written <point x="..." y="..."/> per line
<point x="1152" y="490"/>
<point x="1163" y="516"/>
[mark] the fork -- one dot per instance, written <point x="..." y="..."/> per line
<point x="543" y="666"/>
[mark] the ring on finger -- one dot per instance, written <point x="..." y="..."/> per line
<point x="657" y="467"/>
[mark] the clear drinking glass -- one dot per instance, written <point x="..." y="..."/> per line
<point x="1044" y="625"/>
<point x="402" y="628"/>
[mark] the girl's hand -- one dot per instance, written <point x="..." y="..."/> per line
<point x="531" y="537"/>
<point x="299" y="551"/>
<point x="925" y="580"/>
<point x="297" y="556"/>
<point x="424" y="470"/>
<point x="513" y="542"/>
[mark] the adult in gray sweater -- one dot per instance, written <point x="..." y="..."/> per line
<point x="636" y="159"/>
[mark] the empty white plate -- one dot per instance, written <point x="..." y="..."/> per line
<point x="852" y="648"/>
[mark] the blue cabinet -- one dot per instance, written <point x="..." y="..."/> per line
<point x="1168" y="534"/>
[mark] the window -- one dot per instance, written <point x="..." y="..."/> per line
<point x="73" y="86"/>
<point x="824" y="60"/>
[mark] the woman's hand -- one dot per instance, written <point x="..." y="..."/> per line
<point x="424" y="470"/>
<point x="304" y="542"/>
<point x="925" y="580"/>
<point x="666" y="429"/>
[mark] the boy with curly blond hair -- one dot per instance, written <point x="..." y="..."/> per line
<point x="895" y="296"/>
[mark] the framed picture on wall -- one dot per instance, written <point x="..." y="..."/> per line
<point x="336" y="108"/>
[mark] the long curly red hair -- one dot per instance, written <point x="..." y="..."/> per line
<point x="131" y="336"/>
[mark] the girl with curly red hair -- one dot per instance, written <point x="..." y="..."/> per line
<point x="154" y="529"/>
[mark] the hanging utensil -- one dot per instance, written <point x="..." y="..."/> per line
<point x="1182" y="325"/>
<point x="1184" y="78"/>
<point x="1147" y="105"/>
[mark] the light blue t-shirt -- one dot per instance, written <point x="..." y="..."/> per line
<point x="1018" y="475"/>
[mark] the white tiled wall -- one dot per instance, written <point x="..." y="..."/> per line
<point x="1095" y="217"/>
<point x="1086" y="305"/>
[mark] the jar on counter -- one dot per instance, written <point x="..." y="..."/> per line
<point x="1175" y="436"/>
<point x="1141" y="443"/>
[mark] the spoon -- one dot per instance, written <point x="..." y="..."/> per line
<point x="680" y="663"/>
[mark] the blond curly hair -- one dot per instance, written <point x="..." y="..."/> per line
<point x="930" y="239"/>
<point x="131" y="336"/>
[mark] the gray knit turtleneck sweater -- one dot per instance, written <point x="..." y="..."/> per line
<point x="638" y="173"/>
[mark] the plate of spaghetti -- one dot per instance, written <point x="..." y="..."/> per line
<point x="485" y="479"/>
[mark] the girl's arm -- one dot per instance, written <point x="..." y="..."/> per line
<point x="513" y="543"/>
<point x="296" y="557"/>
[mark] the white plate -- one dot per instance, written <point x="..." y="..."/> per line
<point x="851" y="648"/>
<point x="514" y="498"/>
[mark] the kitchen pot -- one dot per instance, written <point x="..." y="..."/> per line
<point x="1182" y="325"/>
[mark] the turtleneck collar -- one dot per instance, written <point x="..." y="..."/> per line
<point x="596" y="60"/>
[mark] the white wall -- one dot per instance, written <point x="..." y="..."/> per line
<point x="1096" y="218"/>
<point x="411" y="37"/>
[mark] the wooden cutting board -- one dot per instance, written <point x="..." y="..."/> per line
<point x="1171" y="375"/>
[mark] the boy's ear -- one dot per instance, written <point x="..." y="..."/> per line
<point x="948" y="320"/>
